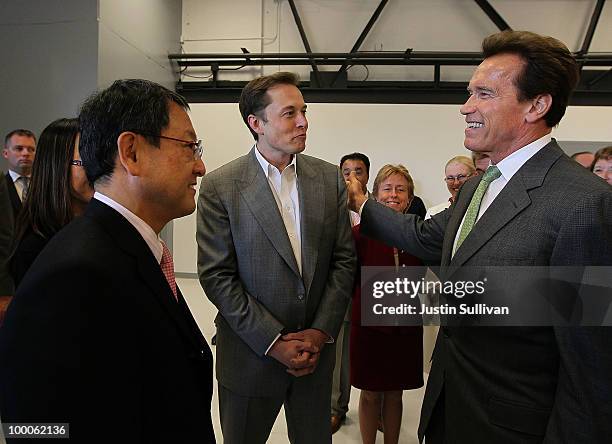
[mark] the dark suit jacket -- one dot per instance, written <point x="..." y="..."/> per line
<point x="94" y="337"/>
<point x="248" y="269"/>
<point x="6" y="238"/>
<point x="505" y="384"/>
<point x="14" y="197"/>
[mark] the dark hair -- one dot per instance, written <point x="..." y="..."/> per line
<point x="549" y="67"/>
<point x="19" y="132"/>
<point x="573" y="156"/>
<point x="357" y="156"/>
<point x="604" y="153"/>
<point x="254" y="97"/>
<point x="127" y="105"/>
<point x="48" y="205"/>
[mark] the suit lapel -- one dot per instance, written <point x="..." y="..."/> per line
<point x="257" y="195"/>
<point x="129" y="240"/>
<point x="512" y="200"/>
<point x="15" y="201"/>
<point x="312" y="209"/>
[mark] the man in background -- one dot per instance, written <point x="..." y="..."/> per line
<point x="584" y="158"/>
<point x="360" y="164"/>
<point x="98" y="334"/>
<point x="276" y="257"/>
<point x="19" y="151"/>
<point x="533" y="206"/>
<point x="481" y="162"/>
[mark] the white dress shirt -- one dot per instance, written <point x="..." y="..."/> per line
<point x="147" y="233"/>
<point x="285" y="190"/>
<point x="508" y="168"/>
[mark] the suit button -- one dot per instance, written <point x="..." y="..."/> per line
<point x="446" y="332"/>
<point x="300" y="296"/>
<point x="299" y="327"/>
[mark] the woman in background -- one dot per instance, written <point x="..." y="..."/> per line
<point x="58" y="192"/>
<point x="602" y="164"/>
<point x="457" y="171"/>
<point x="384" y="360"/>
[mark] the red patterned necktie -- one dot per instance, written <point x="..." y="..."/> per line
<point x="167" y="267"/>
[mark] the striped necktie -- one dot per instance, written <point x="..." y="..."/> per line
<point x="25" y="181"/>
<point x="167" y="267"/>
<point x="471" y="214"/>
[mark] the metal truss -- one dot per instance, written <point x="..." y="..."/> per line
<point x="595" y="87"/>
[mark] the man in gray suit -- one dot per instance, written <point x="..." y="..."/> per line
<point x="534" y="206"/>
<point x="275" y="256"/>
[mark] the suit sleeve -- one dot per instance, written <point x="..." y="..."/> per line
<point x="339" y="286"/>
<point x="408" y="232"/>
<point x="6" y="239"/>
<point x="583" y="400"/>
<point x="219" y="274"/>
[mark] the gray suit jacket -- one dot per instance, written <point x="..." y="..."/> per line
<point x="506" y="384"/>
<point x="6" y="237"/>
<point x="248" y="270"/>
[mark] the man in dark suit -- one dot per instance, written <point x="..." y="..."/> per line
<point x="19" y="150"/>
<point x="275" y="256"/>
<point x="98" y="334"/>
<point x="6" y="244"/>
<point x="534" y="206"/>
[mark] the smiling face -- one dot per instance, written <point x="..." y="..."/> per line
<point x="603" y="168"/>
<point x="393" y="192"/>
<point x="456" y="175"/>
<point x="170" y="170"/>
<point x="496" y="119"/>
<point x="282" y="126"/>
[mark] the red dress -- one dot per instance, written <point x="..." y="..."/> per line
<point x="383" y="358"/>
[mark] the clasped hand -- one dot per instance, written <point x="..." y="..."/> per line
<point x="299" y="351"/>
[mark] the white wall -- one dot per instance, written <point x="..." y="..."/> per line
<point x="422" y="137"/>
<point x="49" y="56"/>
<point x="135" y="38"/>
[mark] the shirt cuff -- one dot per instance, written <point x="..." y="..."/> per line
<point x="270" y="346"/>
<point x="361" y="207"/>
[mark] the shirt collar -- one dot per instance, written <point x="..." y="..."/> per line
<point x="511" y="164"/>
<point x="266" y="166"/>
<point x="147" y="233"/>
<point x="15" y="176"/>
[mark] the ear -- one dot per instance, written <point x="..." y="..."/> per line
<point x="5" y="153"/>
<point x="540" y="105"/>
<point x="128" y="153"/>
<point x="256" y="124"/>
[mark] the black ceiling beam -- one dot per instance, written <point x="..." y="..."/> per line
<point x="364" y="92"/>
<point x="361" y="37"/>
<point x="298" y="23"/>
<point x="424" y="58"/>
<point x="493" y="15"/>
<point x="588" y="38"/>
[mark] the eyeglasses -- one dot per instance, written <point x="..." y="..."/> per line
<point x="76" y="162"/>
<point x="196" y="146"/>
<point x="458" y="177"/>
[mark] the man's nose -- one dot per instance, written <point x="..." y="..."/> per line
<point x="199" y="168"/>
<point x="468" y="106"/>
<point x="301" y="121"/>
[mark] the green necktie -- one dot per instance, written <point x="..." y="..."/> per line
<point x="471" y="214"/>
